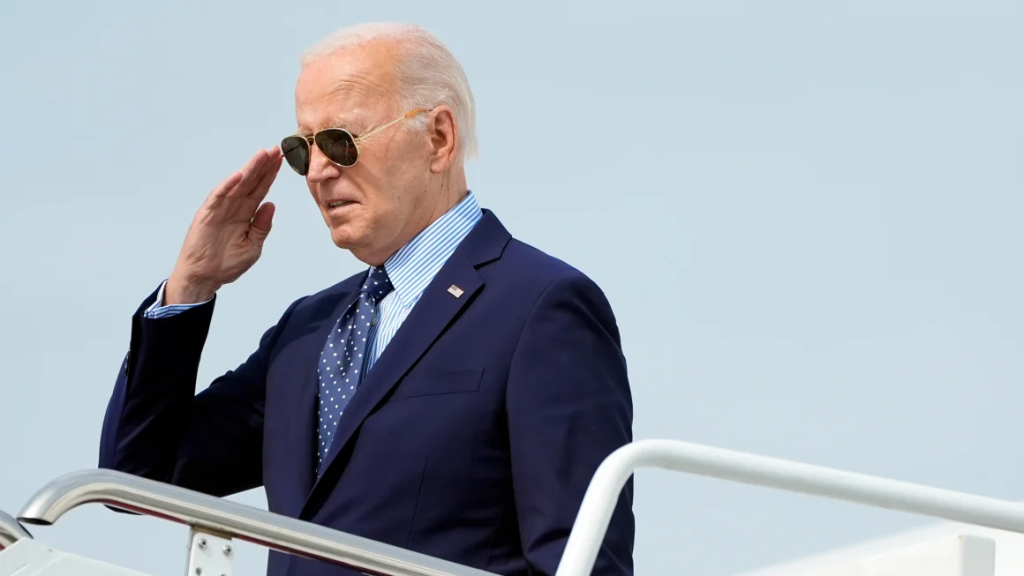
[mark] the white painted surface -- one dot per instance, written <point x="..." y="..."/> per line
<point x="32" y="558"/>
<point x="955" y="555"/>
<point x="939" y="550"/>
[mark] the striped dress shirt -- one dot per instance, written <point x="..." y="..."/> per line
<point x="410" y="269"/>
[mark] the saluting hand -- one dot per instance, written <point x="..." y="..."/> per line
<point x="227" y="234"/>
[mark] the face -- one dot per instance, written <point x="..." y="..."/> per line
<point x="393" y="191"/>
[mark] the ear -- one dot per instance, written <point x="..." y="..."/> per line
<point x="444" y="136"/>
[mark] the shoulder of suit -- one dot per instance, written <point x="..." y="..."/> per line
<point x="537" y="266"/>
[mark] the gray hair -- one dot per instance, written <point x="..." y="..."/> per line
<point x="427" y="72"/>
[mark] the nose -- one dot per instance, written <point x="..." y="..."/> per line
<point x="320" y="168"/>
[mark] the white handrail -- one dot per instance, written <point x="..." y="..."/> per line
<point x="10" y="531"/>
<point x="596" y="510"/>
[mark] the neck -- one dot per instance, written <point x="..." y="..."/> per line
<point x="452" y="190"/>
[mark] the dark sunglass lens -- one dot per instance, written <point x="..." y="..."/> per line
<point x="338" y="146"/>
<point x="296" y="152"/>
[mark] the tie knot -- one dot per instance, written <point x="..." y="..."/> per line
<point x="377" y="284"/>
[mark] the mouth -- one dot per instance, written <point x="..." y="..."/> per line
<point x="338" y="205"/>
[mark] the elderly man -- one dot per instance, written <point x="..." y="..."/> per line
<point x="454" y="398"/>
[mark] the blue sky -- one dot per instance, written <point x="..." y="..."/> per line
<point x="806" y="216"/>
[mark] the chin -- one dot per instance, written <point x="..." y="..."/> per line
<point x="345" y="237"/>
<point x="341" y="240"/>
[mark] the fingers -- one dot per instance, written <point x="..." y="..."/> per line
<point x="225" y="185"/>
<point x="231" y="182"/>
<point x="243" y="182"/>
<point x="229" y="186"/>
<point x="261" y="223"/>
<point x="262" y="187"/>
<point x="253" y="172"/>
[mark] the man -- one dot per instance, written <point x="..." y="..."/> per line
<point x="454" y="399"/>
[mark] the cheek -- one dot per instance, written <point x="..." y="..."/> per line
<point x="392" y="181"/>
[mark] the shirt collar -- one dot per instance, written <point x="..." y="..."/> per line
<point x="413" y="267"/>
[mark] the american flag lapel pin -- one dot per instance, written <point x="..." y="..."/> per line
<point x="455" y="291"/>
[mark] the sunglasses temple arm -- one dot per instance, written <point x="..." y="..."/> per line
<point x="395" y="121"/>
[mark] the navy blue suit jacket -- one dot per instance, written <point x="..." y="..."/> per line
<point x="472" y="439"/>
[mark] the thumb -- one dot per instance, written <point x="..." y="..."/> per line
<point x="261" y="223"/>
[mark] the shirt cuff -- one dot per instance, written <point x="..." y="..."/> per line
<point x="158" y="310"/>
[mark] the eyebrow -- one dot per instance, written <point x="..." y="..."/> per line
<point x="342" y="122"/>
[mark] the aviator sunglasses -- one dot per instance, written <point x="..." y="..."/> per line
<point x="337" y="144"/>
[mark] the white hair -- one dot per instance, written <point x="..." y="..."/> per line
<point x="428" y="73"/>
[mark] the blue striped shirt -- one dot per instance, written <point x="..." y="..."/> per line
<point x="410" y="270"/>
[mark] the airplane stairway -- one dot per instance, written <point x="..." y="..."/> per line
<point x="967" y="548"/>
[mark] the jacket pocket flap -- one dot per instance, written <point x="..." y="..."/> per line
<point x="434" y="383"/>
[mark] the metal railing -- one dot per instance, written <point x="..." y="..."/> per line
<point x="220" y="516"/>
<point x="10" y="531"/>
<point x="226" y="518"/>
<point x="599" y="501"/>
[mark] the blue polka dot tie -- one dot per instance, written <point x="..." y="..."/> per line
<point x="344" y="357"/>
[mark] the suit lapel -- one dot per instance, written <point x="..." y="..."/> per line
<point x="430" y="316"/>
<point x="305" y="394"/>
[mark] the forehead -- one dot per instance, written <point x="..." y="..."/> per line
<point x="346" y="87"/>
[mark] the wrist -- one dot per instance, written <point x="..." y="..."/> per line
<point x="182" y="291"/>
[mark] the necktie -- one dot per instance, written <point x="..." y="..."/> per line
<point x="344" y="357"/>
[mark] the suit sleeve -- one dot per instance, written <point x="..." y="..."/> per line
<point x="569" y="407"/>
<point x="157" y="427"/>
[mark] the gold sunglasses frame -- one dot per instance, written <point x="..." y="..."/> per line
<point x="311" y="140"/>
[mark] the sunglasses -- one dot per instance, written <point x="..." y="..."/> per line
<point x="337" y="144"/>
